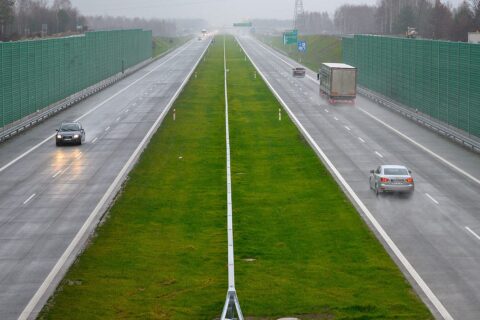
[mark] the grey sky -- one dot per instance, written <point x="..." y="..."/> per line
<point x="215" y="11"/>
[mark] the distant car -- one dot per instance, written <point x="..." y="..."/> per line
<point x="299" y="72"/>
<point x="70" y="133"/>
<point x="391" y="178"/>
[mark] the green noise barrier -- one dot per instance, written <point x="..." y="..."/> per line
<point x="438" y="78"/>
<point x="37" y="73"/>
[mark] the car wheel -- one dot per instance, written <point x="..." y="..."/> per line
<point x="376" y="190"/>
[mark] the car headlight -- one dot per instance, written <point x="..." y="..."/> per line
<point x="76" y="136"/>
<point x="59" y="136"/>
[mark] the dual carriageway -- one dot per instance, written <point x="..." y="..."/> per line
<point x="52" y="198"/>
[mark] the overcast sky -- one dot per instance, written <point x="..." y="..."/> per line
<point x="218" y="12"/>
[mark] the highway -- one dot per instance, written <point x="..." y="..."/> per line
<point x="51" y="199"/>
<point x="433" y="235"/>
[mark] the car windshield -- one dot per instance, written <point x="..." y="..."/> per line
<point x="395" y="172"/>
<point x="70" y="127"/>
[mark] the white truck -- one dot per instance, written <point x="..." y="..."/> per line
<point x="338" y="82"/>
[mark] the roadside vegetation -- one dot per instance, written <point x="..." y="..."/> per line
<point x="301" y="249"/>
<point x="161" y="253"/>
<point x="163" y="44"/>
<point x="320" y="49"/>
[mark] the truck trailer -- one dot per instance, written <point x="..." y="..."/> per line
<point x="338" y="82"/>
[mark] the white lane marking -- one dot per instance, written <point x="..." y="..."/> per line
<point x="23" y="155"/>
<point x="361" y="140"/>
<point x="56" y="174"/>
<point x="403" y="260"/>
<point x="26" y="313"/>
<point x="348" y="128"/>
<point x="29" y="198"/>
<point x="326" y="110"/>
<point x="445" y="161"/>
<point x="78" y="156"/>
<point x="118" y="119"/>
<point x="94" y="139"/>
<point x="473" y="233"/>
<point x="107" y="128"/>
<point x="379" y="154"/>
<point x="126" y="111"/>
<point x="431" y="198"/>
<point x="336" y="119"/>
<point x="451" y="165"/>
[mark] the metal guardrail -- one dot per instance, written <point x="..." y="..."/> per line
<point x="20" y="126"/>
<point x="452" y="133"/>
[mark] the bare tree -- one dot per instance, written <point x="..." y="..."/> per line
<point x="6" y="14"/>
<point x="355" y="19"/>
<point x="442" y="21"/>
<point x="463" y="22"/>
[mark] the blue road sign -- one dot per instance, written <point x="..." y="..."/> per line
<point x="302" y="46"/>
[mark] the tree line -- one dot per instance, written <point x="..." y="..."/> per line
<point x="434" y="19"/>
<point x="21" y="19"/>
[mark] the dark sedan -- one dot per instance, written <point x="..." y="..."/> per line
<point x="70" y="133"/>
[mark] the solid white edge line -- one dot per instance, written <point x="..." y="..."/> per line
<point x="473" y="233"/>
<point x="445" y="161"/>
<point x="396" y="251"/>
<point x="96" y="107"/>
<point x="432" y="198"/>
<point x="29" y="198"/>
<point x="32" y="304"/>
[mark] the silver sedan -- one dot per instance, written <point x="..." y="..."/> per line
<point x="391" y="178"/>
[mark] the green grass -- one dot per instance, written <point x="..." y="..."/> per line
<point x="314" y="254"/>
<point x="162" y="253"/>
<point x="163" y="44"/>
<point x="320" y="49"/>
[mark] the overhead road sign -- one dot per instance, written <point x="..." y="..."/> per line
<point x="290" y="37"/>
<point x="243" y="24"/>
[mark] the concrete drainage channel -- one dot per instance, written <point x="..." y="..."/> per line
<point x="21" y="125"/>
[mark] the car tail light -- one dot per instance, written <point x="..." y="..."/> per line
<point x="409" y="180"/>
<point x="384" y="179"/>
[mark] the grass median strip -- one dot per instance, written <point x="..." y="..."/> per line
<point x="162" y="252"/>
<point x="302" y="249"/>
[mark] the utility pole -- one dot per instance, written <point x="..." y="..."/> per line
<point x="299" y="16"/>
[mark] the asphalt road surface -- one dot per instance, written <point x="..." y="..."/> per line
<point x="436" y="231"/>
<point x="52" y="198"/>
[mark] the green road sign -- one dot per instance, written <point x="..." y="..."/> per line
<point x="290" y="37"/>
<point x="243" y="24"/>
